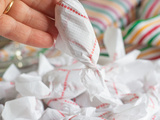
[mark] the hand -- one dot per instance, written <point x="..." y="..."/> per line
<point x="29" y="22"/>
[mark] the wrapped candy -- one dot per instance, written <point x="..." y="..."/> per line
<point x="25" y="107"/>
<point x="7" y="85"/>
<point x="77" y="39"/>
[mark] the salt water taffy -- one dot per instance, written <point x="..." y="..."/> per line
<point x="77" y="39"/>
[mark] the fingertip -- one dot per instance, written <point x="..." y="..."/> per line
<point x="55" y="1"/>
<point x="50" y="44"/>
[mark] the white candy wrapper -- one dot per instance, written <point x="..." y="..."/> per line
<point x="7" y="91"/>
<point x="7" y="85"/>
<point x="1" y="109"/>
<point x="62" y="60"/>
<point x="66" y="82"/>
<point x="115" y="46"/>
<point x="31" y="84"/>
<point x="24" y="108"/>
<point x="44" y="65"/>
<point x="77" y="39"/>
<point x="52" y="114"/>
<point x="11" y="73"/>
<point x="28" y="85"/>
<point x="76" y="35"/>
<point x="68" y="106"/>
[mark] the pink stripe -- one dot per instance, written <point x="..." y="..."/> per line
<point x="153" y="106"/>
<point x="155" y="58"/>
<point x="102" y="105"/>
<point x="69" y="102"/>
<point x="61" y="113"/>
<point x="99" y="21"/>
<point x="130" y="5"/>
<point x="71" y="9"/>
<point x="103" y="118"/>
<point x="51" y="101"/>
<point x="93" y="50"/>
<point x="72" y="117"/>
<point x="153" y="117"/>
<point x="114" y="86"/>
<point x="12" y="83"/>
<point x="76" y="43"/>
<point x="65" y="85"/>
<point x="148" y="33"/>
<point x="128" y="20"/>
<point x="102" y="6"/>
<point x="65" y="70"/>
<point x="151" y="8"/>
<point x="104" y="114"/>
<point x="135" y="97"/>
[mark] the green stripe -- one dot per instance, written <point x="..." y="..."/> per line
<point x="122" y="4"/>
<point x="145" y="48"/>
<point x="152" y="39"/>
<point x="99" y="10"/>
<point x="148" y="4"/>
<point x="43" y="50"/>
<point x="131" y="29"/>
<point x="96" y="26"/>
<point x="12" y="57"/>
<point x="135" y="24"/>
<point x="122" y="22"/>
<point x="104" y="54"/>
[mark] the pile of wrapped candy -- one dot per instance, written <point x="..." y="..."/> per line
<point x="81" y="85"/>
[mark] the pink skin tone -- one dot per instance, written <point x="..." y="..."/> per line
<point x="29" y="22"/>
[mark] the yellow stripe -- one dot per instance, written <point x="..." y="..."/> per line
<point x="112" y="4"/>
<point x="5" y="54"/>
<point x="116" y="24"/>
<point x="139" y="31"/>
<point x="133" y="2"/>
<point x="100" y="37"/>
<point x="31" y="48"/>
<point x="131" y="48"/>
<point x="158" y="43"/>
<point x="157" y="10"/>
<point x="0" y="79"/>
<point x="58" y="53"/>
<point x="100" y="41"/>
<point x="148" y="53"/>
<point x="99" y="15"/>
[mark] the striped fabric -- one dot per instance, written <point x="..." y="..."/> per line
<point x="103" y="13"/>
<point x="149" y="8"/>
<point x="147" y="52"/>
<point x="146" y="32"/>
